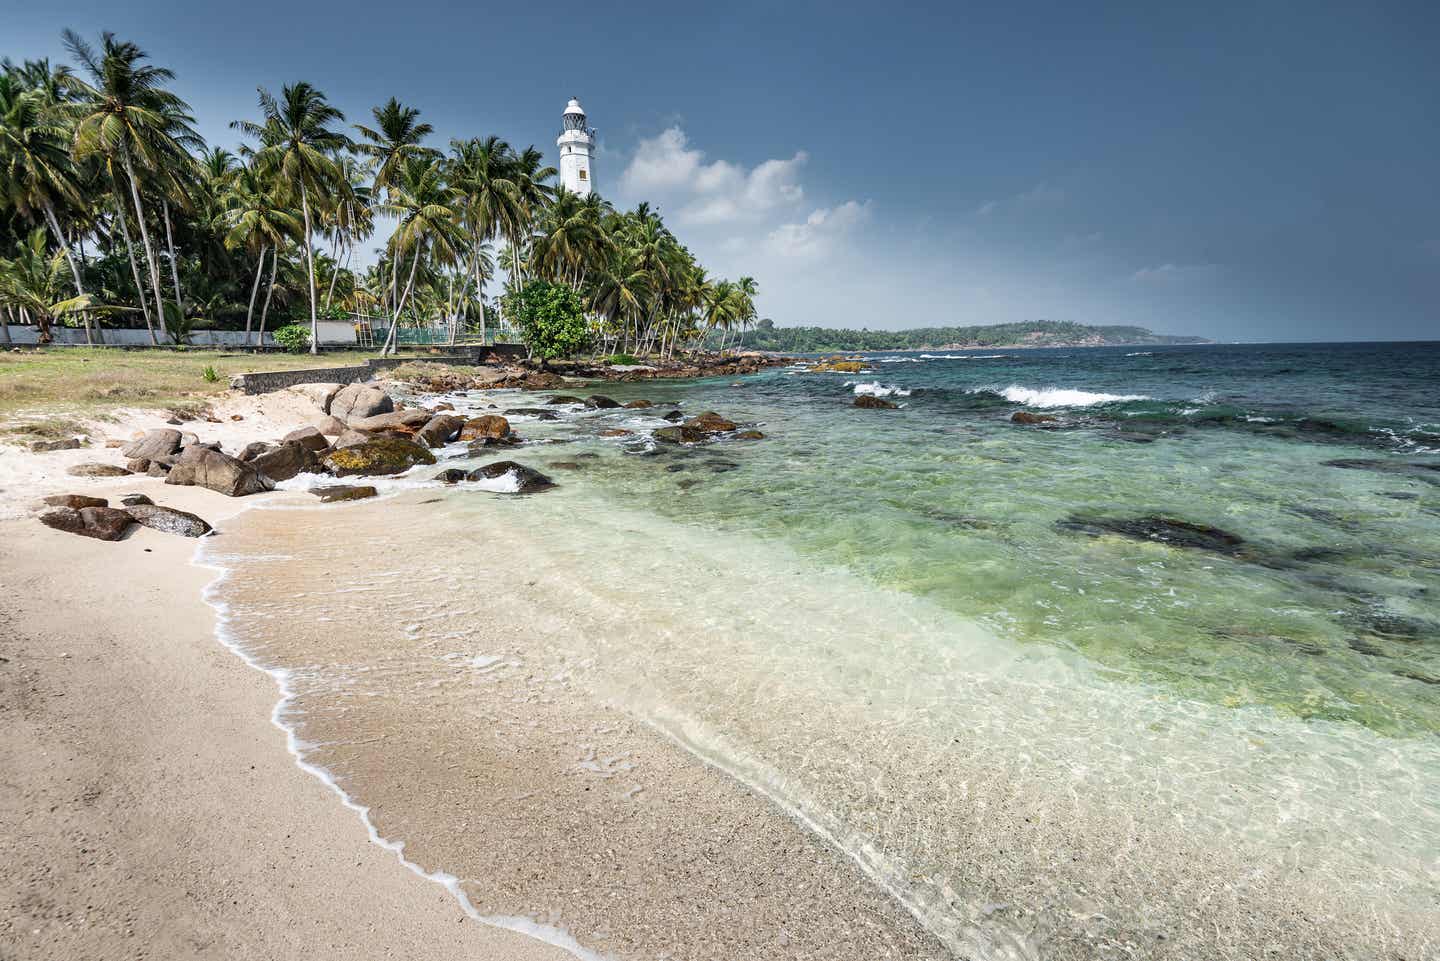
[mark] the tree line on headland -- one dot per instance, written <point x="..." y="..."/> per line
<point x="1031" y="333"/>
<point x="114" y="211"/>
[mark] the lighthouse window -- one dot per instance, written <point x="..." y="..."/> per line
<point x="584" y="175"/>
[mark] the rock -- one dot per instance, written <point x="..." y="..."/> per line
<point x="486" y="425"/>
<point x="564" y="399"/>
<point x="527" y="480"/>
<point x="331" y="427"/>
<point x="638" y="404"/>
<point x="98" y="470"/>
<point x="321" y="395"/>
<point x="479" y="446"/>
<point x="137" y="465"/>
<point x="750" y="435"/>
<point x="616" y="432"/>
<point x="135" y="500"/>
<point x="350" y="438"/>
<point x="686" y="483"/>
<point x="600" y="402"/>
<point x="75" y="501"/>
<point x="874" y="403"/>
<point x="114" y="443"/>
<point x="169" y="520"/>
<point x="673" y="417"/>
<point x="237" y="416"/>
<point x="343" y="492"/>
<point x="440" y="430"/>
<point x="451" y="475"/>
<point x="359" y="401"/>
<point x="540" y="380"/>
<point x="158" y="469"/>
<point x="175" y="420"/>
<point x="395" y="420"/>
<point x="286" y="461"/>
<point x="43" y="446"/>
<point x="1166" y="530"/>
<point x="188" y="439"/>
<point x="203" y="467"/>
<point x="378" y="455"/>
<point x="538" y="412"/>
<point x="255" y="448"/>
<point x="154" y="443"/>
<point x="101" y="523"/>
<point x="710" y="423"/>
<point x="684" y="434"/>
<point x="563" y="464"/>
<point x="1025" y="417"/>
<point x="309" y="437"/>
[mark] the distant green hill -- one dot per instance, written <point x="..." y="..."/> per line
<point x="1030" y="333"/>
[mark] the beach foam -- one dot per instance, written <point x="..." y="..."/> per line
<point x="877" y="389"/>
<point x="1061" y="397"/>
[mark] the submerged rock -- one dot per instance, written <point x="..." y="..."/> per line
<point x="673" y="416"/>
<point x="870" y="402"/>
<point x="451" y="475"/>
<point x="344" y="492"/>
<point x="539" y="412"/>
<point x="169" y="520"/>
<point x="101" y="523"/>
<point x="564" y="399"/>
<point x="1165" y="530"/>
<point x="378" y="455"/>
<point x="750" y="435"/>
<point x="684" y="434"/>
<point x="358" y="401"/>
<point x="1025" y="417"/>
<point x="601" y="402"/>
<point x="527" y="479"/>
<point x="75" y="501"/>
<point x="710" y="423"/>
<point x="486" y="425"/>
<point x="640" y="404"/>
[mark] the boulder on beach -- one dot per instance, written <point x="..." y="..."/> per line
<point x="75" y="501"/>
<point x="440" y="430"/>
<point x="710" y="423"/>
<point x="638" y="404"/>
<point x="154" y="443"/>
<point x="169" y="520"/>
<point x="683" y="434"/>
<point x="98" y="470"/>
<point x="310" y="437"/>
<point x="359" y="401"/>
<point x="344" y="492"/>
<point x="601" y="402"/>
<point x="321" y="395"/>
<point x="331" y="426"/>
<point x="394" y="420"/>
<point x="101" y="523"/>
<point x="451" y="475"/>
<point x="139" y="465"/>
<point x="45" y="446"/>
<point x="350" y="438"/>
<point x="486" y="425"/>
<point x="870" y="402"/>
<point x="135" y="500"/>
<point x="286" y="461"/>
<point x="541" y="380"/>
<point x="378" y="455"/>
<point x="203" y="467"/>
<point x="255" y="448"/>
<point x="1025" y="417"/>
<point x="527" y="480"/>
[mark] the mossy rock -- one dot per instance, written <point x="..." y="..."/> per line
<point x="380" y="455"/>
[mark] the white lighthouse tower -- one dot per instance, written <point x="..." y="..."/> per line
<point x="576" y="143"/>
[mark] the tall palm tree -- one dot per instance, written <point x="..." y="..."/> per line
<point x="259" y="223"/>
<point x="296" y="142"/>
<point x="532" y="192"/>
<point x="420" y="200"/>
<point x="125" y="114"/>
<point x="478" y="171"/>
<point x="395" y="137"/>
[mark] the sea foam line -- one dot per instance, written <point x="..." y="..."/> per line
<point x="295" y="746"/>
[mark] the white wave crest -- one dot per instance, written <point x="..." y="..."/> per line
<point x="963" y="356"/>
<point x="877" y="389"/>
<point x="1062" y="397"/>
<point x="902" y="360"/>
<point x="1141" y="353"/>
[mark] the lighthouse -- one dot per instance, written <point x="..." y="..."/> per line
<point x="576" y="143"/>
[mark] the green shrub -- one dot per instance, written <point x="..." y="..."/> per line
<point x="294" y="338"/>
<point x="624" y="360"/>
<point x="210" y="374"/>
<point x="550" y="317"/>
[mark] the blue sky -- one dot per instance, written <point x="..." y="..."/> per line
<point x="1255" y="171"/>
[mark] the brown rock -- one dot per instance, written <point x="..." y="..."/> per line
<point x="439" y="430"/>
<point x="710" y="423"/>
<point x="75" y="501"/>
<point x="344" y="492"/>
<point x="451" y="475"/>
<point x="874" y="403"/>
<point x="616" y="432"/>
<point x="1025" y="417"/>
<point x="750" y="435"/>
<point x="331" y="427"/>
<point x="135" y="500"/>
<point x="255" y="448"/>
<point x="601" y="402"/>
<point x="487" y="425"/>
<point x="101" y="523"/>
<point x="413" y="419"/>
<point x="309" y="437"/>
<point x="154" y="443"/>
<point x="169" y="520"/>
<point x="287" y="460"/>
<point x="638" y="405"/>
<point x="43" y="446"/>
<point x="378" y="455"/>
<point x="97" y="470"/>
<point x="359" y="401"/>
<point x="527" y="479"/>
<point x="350" y="438"/>
<point x="137" y="465"/>
<point x="203" y="467"/>
<point x="682" y="434"/>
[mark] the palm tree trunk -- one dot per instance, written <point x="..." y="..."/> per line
<point x="69" y="259"/>
<point x="409" y="284"/>
<point x="135" y="269"/>
<point x="144" y="237"/>
<point x="99" y="330"/>
<point x="254" y="289"/>
<point x="170" y="248"/>
<point x="310" y="271"/>
<point x="270" y="289"/>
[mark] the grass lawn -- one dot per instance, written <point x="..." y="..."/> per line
<point x="38" y="386"/>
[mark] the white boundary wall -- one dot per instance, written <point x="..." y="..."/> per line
<point x="332" y="333"/>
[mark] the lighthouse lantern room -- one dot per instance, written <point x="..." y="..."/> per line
<point x="577" y="144"/>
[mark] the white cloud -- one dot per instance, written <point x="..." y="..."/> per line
<point x="1174" y="273"/>
<point x="817" y="233"/>
<point x="665" y="167"/>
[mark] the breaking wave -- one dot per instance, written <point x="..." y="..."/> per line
<point x="1061" y="397"/>
<point x="877" y="389"/>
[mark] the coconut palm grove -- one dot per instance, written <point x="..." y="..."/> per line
<point x="115" y="212"/>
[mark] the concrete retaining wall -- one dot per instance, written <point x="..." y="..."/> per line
<point x="263" y="382"/>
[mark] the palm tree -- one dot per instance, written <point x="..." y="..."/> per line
<point x="125" y="115"/>
<point x="296" y="142"/>
<point x="421" y="201"/>
<point x="532" y="193"/>
<point x="33" y="283"/>
<point x="478" y="172"/>
<point x="259" y="223"/>
<point x="395" y="138"/>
